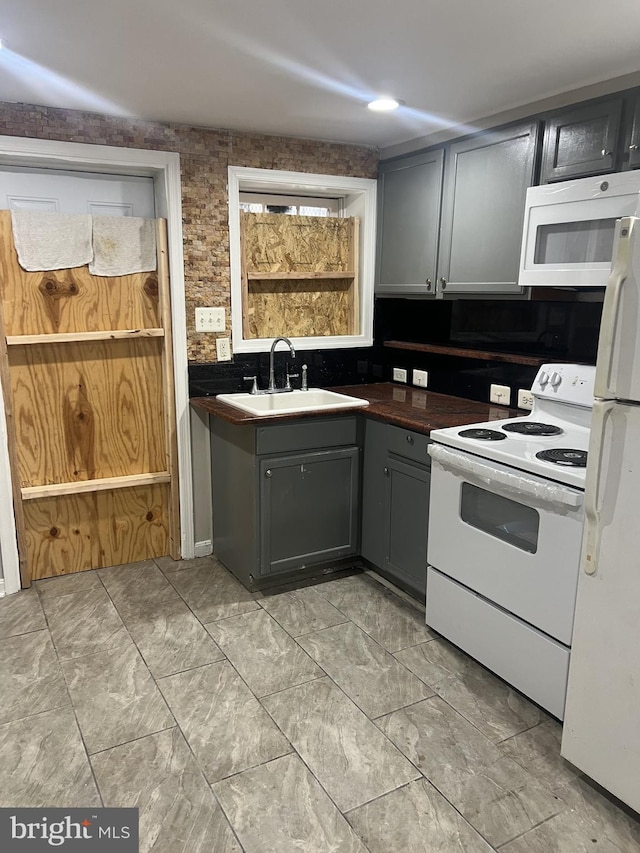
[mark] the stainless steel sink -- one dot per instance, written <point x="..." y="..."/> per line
<point x="291" y="402"/>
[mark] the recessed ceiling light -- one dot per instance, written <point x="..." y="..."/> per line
<point x="383" y="105"/>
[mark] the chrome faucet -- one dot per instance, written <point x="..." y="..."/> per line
<point x="272" y="378"/>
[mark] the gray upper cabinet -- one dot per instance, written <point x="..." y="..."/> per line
<point x="410" y="193"/>
<point x="486" y="180"/>
<point x="633" y="142"/>
<point x="582" y="141"/>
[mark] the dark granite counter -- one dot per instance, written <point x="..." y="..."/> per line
<point x="404" y="406"/>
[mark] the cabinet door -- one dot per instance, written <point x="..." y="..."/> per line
<point x="486" y="181"/>
<point x="308" y="509"/>
<point x="373" y="543"/>
<point x="407" y="517"/>
<point x="633" y="144"/>
<point x="582" y="141"/>
<point x="410" y="192"/>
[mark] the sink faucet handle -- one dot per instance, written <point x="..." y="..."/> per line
<point x="304" y="386"/>
<point x="290" y="376"/>
<point x="254" y="380"/>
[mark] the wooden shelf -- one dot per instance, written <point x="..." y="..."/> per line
<point x="79" y="337"/>
<point x="461" y="352"/>
<point x="298" y="276"/>
<point x="52" y="490"/>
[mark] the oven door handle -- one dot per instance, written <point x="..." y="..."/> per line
<point x="515" y="483"/>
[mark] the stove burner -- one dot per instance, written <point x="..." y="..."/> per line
<point x="564" y="456"/>
<point x="532" y="428"/>
<point x="482" y="434"/>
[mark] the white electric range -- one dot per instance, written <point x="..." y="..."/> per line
<point x="505" y="531"/>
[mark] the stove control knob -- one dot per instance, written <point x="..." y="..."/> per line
<point x="555" y="380"/>
<point x="544" y="378"/>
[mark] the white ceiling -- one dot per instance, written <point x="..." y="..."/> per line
<point x="305" y="67"/>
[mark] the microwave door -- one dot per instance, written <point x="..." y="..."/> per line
<point x="618" y="363"/>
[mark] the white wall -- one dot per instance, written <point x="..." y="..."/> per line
<point x="202" y="502"/>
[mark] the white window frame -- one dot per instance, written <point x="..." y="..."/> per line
<point x="359" y="199"/>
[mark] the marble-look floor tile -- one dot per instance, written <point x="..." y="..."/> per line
<point x="495" y="708"/>
<point x="212" y="592"/>
<point x="418" y="819"/>
<point x="88" y="581"/>
<point x="345" y="751"/>
<point x="21" y="613"/>
<point x="302" y="611"/>
<point x="538" y="751"/>
<point x="136" y="584"/>
<point x="115" y="698"/>
<point x="495" y="794"/>
<point x="44" y="763"/>
<point x="374" y="608"/>
<point x="225" y="725"/>
<point x="564" y="833"/>
<point x="367" y="673"/>
<point x="159" y="776"/>
<point x="84" y="622"/>
<point x="607" y="820"/>
<point x="30" y="676"/>
<point x="263" y="653"/>
<point x="169" y="637"/>
<point x="280" y="808"/>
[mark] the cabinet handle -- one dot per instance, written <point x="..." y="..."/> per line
<point x="428" y="283"/>
<point x="409" y="439"/>
<point x="633" y="147"/>
<point x="606" y="153"/>
<point x="386" y="471"/>
<point x="443" y="283"/>
<point x="267" y="473"/>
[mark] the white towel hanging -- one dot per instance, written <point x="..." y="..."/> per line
<point x="123" y="245"/>
<point x="51" y="241"/>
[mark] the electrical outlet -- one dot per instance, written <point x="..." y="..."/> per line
<point x="210" y="320"/>
<point x="525" y="399"/>
<point x="420" y="378"/>
<point x="399" y="374"/>
<point x="223" y="349"/>
<point x="500" y="394"/>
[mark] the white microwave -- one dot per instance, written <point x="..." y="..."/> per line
<point x="569" y="229"/>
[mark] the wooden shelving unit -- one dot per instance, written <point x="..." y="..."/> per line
<point x="81" y="337"/>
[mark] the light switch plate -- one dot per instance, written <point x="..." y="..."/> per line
<point x="420" y="378"/>
<point x="210" y="320"/>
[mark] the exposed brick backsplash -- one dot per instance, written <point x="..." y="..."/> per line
<point x="205" y="155"/>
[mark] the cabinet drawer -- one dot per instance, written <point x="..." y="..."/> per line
<point x="306" y="435"/>
<point x="412" y="445"/>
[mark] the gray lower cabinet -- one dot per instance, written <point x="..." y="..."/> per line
<point x="582" y="141"/>
<point x="285" y="497"/>
<point x="395" y="504"/>
<point x="450" y="220"/>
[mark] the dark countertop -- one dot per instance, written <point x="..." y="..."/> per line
<point x="404" y="406"/>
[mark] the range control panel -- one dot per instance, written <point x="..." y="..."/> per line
<point x="568" y="383"/>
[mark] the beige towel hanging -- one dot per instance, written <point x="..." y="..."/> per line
<point x="51" y="241"/>
<point x="123" y="245"/>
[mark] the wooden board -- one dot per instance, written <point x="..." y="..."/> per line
<point x="88" y="383"/>
<point x="104" y="410"/>
<point x="72" y="533"/>
<point x="71" y="300"/>
<point x="296" y="295"/>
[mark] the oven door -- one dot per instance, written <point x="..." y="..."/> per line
<point x="512" y="537"/>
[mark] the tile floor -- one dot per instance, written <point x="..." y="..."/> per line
<point x="323" y="719"/>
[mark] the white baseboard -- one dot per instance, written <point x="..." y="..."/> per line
<point x="204" y="548"/>
<point x="1" y="587"/>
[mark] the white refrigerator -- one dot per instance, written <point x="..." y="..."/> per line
<point x="601" y="732"/>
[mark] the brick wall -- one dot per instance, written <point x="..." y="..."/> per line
<point x="204" y="157"/>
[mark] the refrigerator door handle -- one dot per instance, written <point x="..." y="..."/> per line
<point x="611" y="307"/>
<point x="601" y="411"/>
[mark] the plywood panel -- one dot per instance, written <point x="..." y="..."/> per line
<point x="299" y="309"/>
<point x="71" y="300"/>
<point x="88" y="410"/>
<point x="279" y="243"/>
<point x="77" y="532"/>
